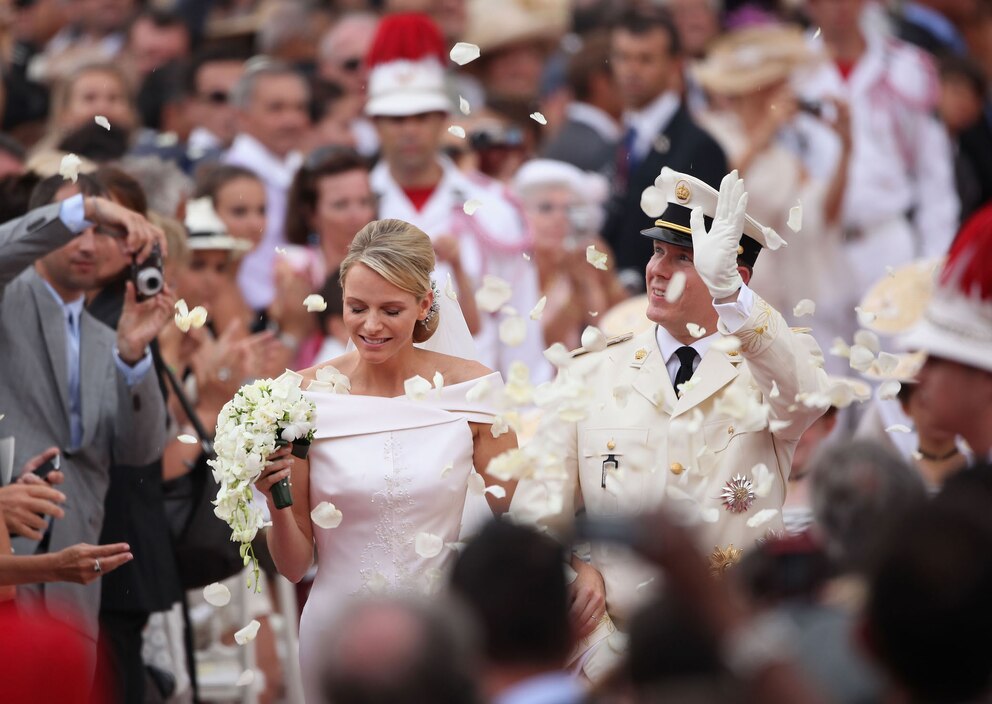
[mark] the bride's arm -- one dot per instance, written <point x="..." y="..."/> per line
<point x="486" y="449"/>
<point x="290" y="538"/>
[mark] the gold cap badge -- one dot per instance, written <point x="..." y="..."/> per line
<point x="682" y="191"/>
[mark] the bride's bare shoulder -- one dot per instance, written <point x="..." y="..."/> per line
<point x="344" y="364"/>
<point x="458" y="369"/>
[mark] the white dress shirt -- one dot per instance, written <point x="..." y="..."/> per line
<point x="650" y="121"/>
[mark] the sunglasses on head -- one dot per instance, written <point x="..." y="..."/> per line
<point x="216" y="97"/>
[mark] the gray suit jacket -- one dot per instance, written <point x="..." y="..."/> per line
<point x="120" y="424"/>
<point x="580" y="145"/>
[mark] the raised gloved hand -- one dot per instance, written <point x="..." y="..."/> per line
<point x="715" y="252"/>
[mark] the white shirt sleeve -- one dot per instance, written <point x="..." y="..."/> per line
<point x="72" y="213"/>
<point x="734" y="315"/>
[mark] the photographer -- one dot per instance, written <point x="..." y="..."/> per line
<point x="56" y="355"/>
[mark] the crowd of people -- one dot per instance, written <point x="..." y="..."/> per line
<point x="649" y="342"/>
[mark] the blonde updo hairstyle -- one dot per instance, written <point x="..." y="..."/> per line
<point x="403" y="255"/>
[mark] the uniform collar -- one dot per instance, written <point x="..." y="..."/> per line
<point x="668" y="344"/>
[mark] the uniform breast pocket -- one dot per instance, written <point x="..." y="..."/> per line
<point x="615" y="462"/>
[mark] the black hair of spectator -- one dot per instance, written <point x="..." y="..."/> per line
<point x="592" y="59"/>
<point x="15" y="194"/>
<point x="123" y="188"/>
<point x="329" y="160"/>
<point x="334" y="297"/>
<point x="212" y="176"/>
<point x="44" y="193"/>
<point x="966" y="68"/>
<point x="927" y="615"/>
<point x="785" y="569"/>
<point x="96" y="143"/>
<point x="161" y="87"/>
<point x="644" y="20"/>
<point x="219" y="53"/>
<point x="160" y="18"/>
<point x="513" y="579"/>
<point x="323" y="96"/>
<point x="10" y="146"/>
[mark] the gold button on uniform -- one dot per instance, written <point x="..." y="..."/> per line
<point x="640" y="354"/>
<point x="677" y="468"/>
<point x="611" y="445"/>
<point x="730" y="430"/>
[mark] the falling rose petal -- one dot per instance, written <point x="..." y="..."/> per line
<point x="887" y="363"/>
<point x="593" y="339"/>
<point x="868" y="339"/>
<point x="447" y="470"/>
<point x="763" y="480"/>
<point x="762" y="517"/>
<point x="795" y="221"/>
<point x="816" y="34"/>
<point x="377" y="582"/>
<point x="727" y="343"/>
<point x="889" y="390"/>
<point x="898" y="428"/>
<point x="476" y="484"/>
<point x="774" y="393"/>
<point x="526" y="256"/>
<point x="512" y="331"/>
<point x="438" y="381"/>
<point x="499" y="427"/>
<point x="315" y="303"/>
<point x="676" y="287"/>
<point x="428" y="545"/>
<point x="538" y="310"/>
<point x="186" y="439"/>
<point x="595" y="257"/>
<point x="496" y="491"/>
<point x="694" y="330"/>
<point x="558" y="355"/>
<point x="645" y="584"/>
<point x="861" y="358"/>
<point x="539" y="118"/>
<point x="217" y="594"/>
<point x="803" y="308"/>
<point x="102" y="121"/>
<point x="449" y="289"/>
<point x="457" y="131"/>
<point x="471" y="205"/>
<point x="463" y="53"/>
<point x="248" y="633"/>
<point x="778" y="425"/>
<point x="282" y="250"/>
<point x="593" y="313"/>
<point x="654" y="202"/>
<point x="840" y="348"/>
<point x="416" y="388"/>
<point x="245" y="678"/>
<point x="69" y="167"/>
<point x="479" y="391"/>
<point x="326" y="515"/>
<point x="463" y="106"/>
<point x="198" y="317"/>
<point x="864" y="317"/>
<point x="495" y="292"/>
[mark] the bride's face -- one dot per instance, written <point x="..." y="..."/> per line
<point x="380" y="317"/>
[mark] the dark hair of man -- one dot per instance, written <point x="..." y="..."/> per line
<point x="643" y="21"/>
<point x="160" y="19"/>
<point x="513" y="579"/>
<point x="213" y="176"/>
<point x="123" y="188"/>
<point x="330" y="160"/>
<point x="593" y="58"/>
<point x="15" y="193"/>
<point x="219" y="53"/>
<point x="44" y="193"/>
<point x="928" y="620"/>
<point x="93" y="142"/>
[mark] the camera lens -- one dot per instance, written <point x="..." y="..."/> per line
<point x="148" y="282"/>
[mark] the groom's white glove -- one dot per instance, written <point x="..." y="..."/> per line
<point x="715" y="252"/>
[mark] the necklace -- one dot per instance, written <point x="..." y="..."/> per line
<point x="937" y="458"/>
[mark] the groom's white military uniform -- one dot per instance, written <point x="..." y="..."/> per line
<point x="642" y="445"/>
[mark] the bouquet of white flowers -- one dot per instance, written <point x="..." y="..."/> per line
<point x="261" y="417"/>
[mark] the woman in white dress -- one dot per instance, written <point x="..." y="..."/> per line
<point x="397" y="468"/>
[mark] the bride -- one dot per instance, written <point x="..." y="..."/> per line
<point x="395" y="467"/>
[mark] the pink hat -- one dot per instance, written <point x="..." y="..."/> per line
<point x="957" y="324"/>
<point x="406" y="68"/>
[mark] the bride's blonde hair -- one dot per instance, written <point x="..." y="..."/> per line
<point x="403" y="255"/>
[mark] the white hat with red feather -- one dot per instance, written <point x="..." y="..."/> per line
<point x="406" y="68"/>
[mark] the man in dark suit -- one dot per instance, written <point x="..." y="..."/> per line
<point x="68" y="380"/>
<point x="658" y="131"/>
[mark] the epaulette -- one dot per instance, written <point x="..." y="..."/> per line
<point x="611" y="341"/>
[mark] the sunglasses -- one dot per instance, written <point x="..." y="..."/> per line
<point x="215" y="97"/>
<point x="351" y="65"/>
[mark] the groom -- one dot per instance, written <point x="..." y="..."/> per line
<point x="711" y="421"/>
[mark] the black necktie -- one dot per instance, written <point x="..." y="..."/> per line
<point x="687" y="356"/>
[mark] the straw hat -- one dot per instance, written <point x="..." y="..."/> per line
<point x="493" y="26"/>
<point x="750" y="59"/>
<point x="896" y="303"/>
<point x="207" y="231"/>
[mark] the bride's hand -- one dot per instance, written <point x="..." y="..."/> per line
<point x="278" y="467"/>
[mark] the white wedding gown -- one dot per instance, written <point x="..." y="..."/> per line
<point x="395" y="468"/>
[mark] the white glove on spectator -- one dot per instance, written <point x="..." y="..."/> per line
<point x="715" y="252"/>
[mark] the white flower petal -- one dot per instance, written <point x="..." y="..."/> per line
<point x="593" y="339"/>
<point x="865" y="317"/>
<point x="898" y="428"/>
<point x="315" y="303"/>
<point x="438" y="381"/>
<point x="676" y="287"/>
<point x="464" y="107"/>
<point x="217" y="594"/>
<point x="377" y="582"/>
<point x="868" y="339"/>
<point x="525" y="256"/>
<point x="694" y="330"/>
<point x="102" y="121"/>
<point x="816" y="34"/>
<point x="479" y="391"/>
<point x="861" y="358"/>
<point x="709" y="515"/>
<point x="654" y="202"/>
<point x="595" y="257"/>
<point x="764" y="480"/>
<point x="245" y="678"/>
<point x="512" y="331"/>
<point x="457" y="131"/>
<point x="187" y="439"/>
<point x="428" y="545"/>
<point x="558" y="355"/>
<point x="69" y="167"/>
<point x="539" y="118"/>
<point x="497" y="491"/>
<point x="621" y="393"/>
<point x="198" y="317"/>
<point x="167" y="139"/>
<point x="538" y="310"/>
<point x="795" y="221"/>
<point x="471" y="205"/>
<point x="727" y="343"/>
<point x="774" y="393"/>
<point x="889" y="390"/>
<point x="777" y="425"/>
<point x="326" y="515"/>
<point x="247" y="633"/>
<point x="840" y="348"/>
<point x="449" y="289"/>
<point x="803" y="308"/>
<point x="762" y="517"/>
<point x="494" y="294"/>
<point x="886" y="363"/>
<point x="476" y="484"/>
<point x="463" y="53"/>
<point x="416" y="388"/>
<point x="282" y="250"/>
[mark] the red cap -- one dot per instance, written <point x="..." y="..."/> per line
<point x="969" y="263"/>
<point x="406" y="36"/>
